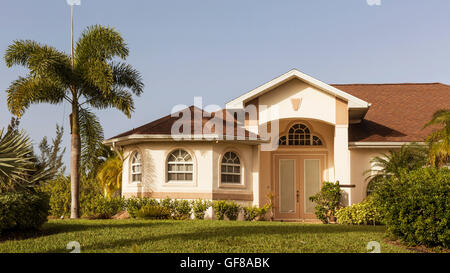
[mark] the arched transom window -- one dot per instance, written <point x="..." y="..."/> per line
<point x="180" y="166"/>
<point x="300" y="135"/>
<point x="231" y="168"/>
<point x="136" y="168"/>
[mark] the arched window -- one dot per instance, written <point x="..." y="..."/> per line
<point x="180" y="166"/>
<point x="136" y="168"/>
<point x="231" y="168"/>
<point x="300" y="135"/>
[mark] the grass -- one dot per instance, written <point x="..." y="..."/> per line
<point x="196" y="236"/>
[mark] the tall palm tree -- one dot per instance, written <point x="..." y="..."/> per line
<point x="110" y="175"/>
<point x="439" y="140"/>
<point x="95" y="78"/>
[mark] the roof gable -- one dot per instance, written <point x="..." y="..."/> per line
<point x="353" y="102"/>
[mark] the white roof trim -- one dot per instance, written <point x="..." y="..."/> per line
<point x="162" y="137"/>
<point x="381" y="144"/>
<point x="353" y="102"/>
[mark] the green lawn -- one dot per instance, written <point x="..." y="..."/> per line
<point x="197" y="236"/>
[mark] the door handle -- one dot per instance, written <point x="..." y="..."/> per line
<point x="298" y="196"/>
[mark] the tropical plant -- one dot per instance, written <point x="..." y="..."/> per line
<point x="409" y="157"/>
<point x="327" y="201"/>
<point x="439" y="140"/>
<point x="91" y="78"/>
<point x="15" y="159"/>
<point x="110" y="175"/>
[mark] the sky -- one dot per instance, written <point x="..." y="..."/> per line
<point x="220" y="49"/>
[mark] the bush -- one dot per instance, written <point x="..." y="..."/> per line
<point x="220" y="207"/>
<point x="327" y="201"/>
<point x="103" y="208"/>
<point x="23" y="210"/>
<point x="200" y="207"/>
<point x="232" y="210"/>
<point x="182" y="210"/>
<point x="255" y="213"/>
<point x="59" y="191"/>
<point x="169" y="204"/>
<point x="153" y="212"/>
<point x="134" y="204"/>
<point x="415" y="206"/>
<point x="364" y="213"/>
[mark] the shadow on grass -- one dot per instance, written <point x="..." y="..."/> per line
<point x="64" y="226"/>
<point x="213" y="233"/>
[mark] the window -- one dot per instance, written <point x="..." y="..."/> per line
<point x="231" y="168"/>
<point x="180" y="166"/>
<point x="136" y="168"/>
<point x="300" y="135"/>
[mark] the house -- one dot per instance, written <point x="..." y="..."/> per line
<point x="285" y="137"/>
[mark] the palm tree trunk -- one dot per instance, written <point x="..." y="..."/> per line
<point x="75" y="152"/>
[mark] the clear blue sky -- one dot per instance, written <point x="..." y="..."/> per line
<point x="222" y="49"/>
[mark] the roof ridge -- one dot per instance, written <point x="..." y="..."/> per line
<point x="406" y="83"/>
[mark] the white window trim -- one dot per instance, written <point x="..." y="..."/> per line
<point x="134" y="153"/>
<point x="167" y="172"/>
<point x="241" y="184"/>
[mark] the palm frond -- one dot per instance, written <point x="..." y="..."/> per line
<point x="118" y="98"/>
<point x="91" y="133"/>
<point x="43" y="61"/>
<point x="25" y="91"/>
<point x="126" y="76"/>
<point x="110" y="175"/>
<point x="101" y="43"/>
<point x="15" y="159"/>
<point x="98" y="74"/>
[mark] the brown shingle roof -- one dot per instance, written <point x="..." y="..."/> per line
<point x="163" y="126"/>
<point x="398" y="111"/>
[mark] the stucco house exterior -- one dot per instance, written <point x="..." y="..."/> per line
<point x="285" y="137"/>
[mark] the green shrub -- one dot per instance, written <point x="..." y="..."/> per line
<point x="364" y="213"/>
<point x="103" y="208"/>
<point x="327" y="201"/>
<point x="232" y="210"/>
<point x="415" y="206"/>
<point x="220" y="207"/>
<point x="169" y="204"/>
<point x="250" y="213"/>
<point x="255" y="213"/>
<point x="23" y="210"/>
<point x="153" y="212"/>
<point x="182" y="210"/>
<point x="133" y="204"/>
<point x="59" y="192"/>
<point x="200" y="207"/>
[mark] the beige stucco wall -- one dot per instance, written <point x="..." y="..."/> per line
<point x="360" y="162"/>
<point x="315" y="104"/>
<point x="206" y="177"/>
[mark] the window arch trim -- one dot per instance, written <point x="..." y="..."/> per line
<point x="301" y="134"/>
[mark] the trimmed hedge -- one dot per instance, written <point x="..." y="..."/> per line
<point x="364" y="213"/>
<point x="23" y="210"/>
<point x="416" y="206"/>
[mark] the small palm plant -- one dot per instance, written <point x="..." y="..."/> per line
<point x="409" y="157"/>
<point x="15" y="158"/>
<point x="439" y="140"/>
<point x="110" y="175"/>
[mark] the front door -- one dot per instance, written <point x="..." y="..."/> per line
<point x="297" y="177"/>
